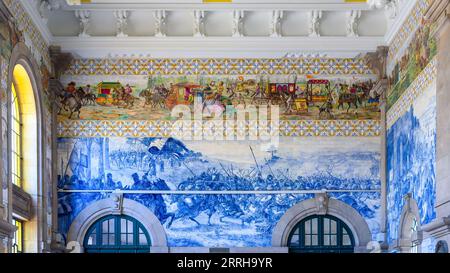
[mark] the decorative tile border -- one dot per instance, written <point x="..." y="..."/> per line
<point x="221" y="66"/>
<point x="24" y="21"/>
<point x="158" y="128"/>
<point x="407" y="29"/>
<point x="419" y="85"/>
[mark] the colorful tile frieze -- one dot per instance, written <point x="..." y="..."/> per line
<point x="160" y="128"/>
<point x="407" y="29"/>
<point x="25" y="23"/>
<point x="281" y="66"/>
<point x="420" y="84"/>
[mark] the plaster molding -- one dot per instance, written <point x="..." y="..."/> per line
<point x="400" y="20"/>
<point x="216" y="46"/>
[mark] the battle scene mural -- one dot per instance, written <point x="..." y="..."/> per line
<point x="89" y="169"/>
<point x="138" y="97"/>
<point x="411" y="161"/>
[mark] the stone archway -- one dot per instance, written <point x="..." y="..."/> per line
<point x="24" y="75"/>
<point x="322" y="205"/>
<point x="118" y="205"/>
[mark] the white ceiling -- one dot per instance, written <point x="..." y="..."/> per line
<point x="60" y="25"/>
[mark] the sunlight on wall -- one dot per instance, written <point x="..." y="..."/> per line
<point x="23" y="88"/>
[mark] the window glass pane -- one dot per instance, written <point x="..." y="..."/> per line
<point x="105" y="239"/>
<point x="111" y="225"/>
<point x="307" y="240"/>
<point x="123" y="225"/>
<point x="315" y="240"/>
<point x="333" y="226"/>
<point x="326" y="225"/>
<point x="326" y="240"/>
<point x="346" y="240"/>
<point x="333" y="240"/>
<point x="142" y="239"/>
<point x="112" y="238"/>
<point x="105" y="227"/>
<point x="314" y="226"/>
<point x="17" y="242"/>
<point x="91" y="240"/>
<point x="130" y="238"/>
<point x="130" y="226"/>
<point x="295" y="240"/>
<point x="308" y="227"/>
<point x="123" y="239"/>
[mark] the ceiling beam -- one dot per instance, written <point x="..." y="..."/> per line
<point x="217" y="46"/>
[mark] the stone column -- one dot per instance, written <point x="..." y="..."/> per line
<point x="377" y="62"/>
<point x="439" y="14"/>
<point x="60" y="62"/>
<point x="380" y="89"/>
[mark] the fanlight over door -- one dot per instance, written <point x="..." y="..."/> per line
<point x="117" y="234"/>
<point x="321" y="234"/>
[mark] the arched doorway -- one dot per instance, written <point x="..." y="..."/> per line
<point x="321" y="234"/>
<point x="117" y="234"/>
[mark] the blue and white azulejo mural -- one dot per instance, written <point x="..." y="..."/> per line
<point x="92" y="167"/>
<point x="411" y="161"/>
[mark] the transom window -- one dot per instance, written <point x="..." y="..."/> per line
<point x="115" y="234"/>
<point x="321" y="233"/>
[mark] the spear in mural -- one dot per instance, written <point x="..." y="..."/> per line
<point x="223" y="168"/>
<point x="254" y="158"/>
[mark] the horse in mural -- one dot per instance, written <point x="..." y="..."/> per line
<point x="86" y="98"/>
<point x="155" y="98"/>
<point x="70" y="102"/>
<point x="123" y="99"/>
<point x="350" y="99"/>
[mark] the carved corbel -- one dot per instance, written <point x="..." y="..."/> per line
<point x="60" y="60"/>
<point x="118" y="202"/>
<point x="321" y="200"/>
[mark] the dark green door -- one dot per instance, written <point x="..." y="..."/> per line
<point x="321" y="234"/>
<point x="117" y="234"/>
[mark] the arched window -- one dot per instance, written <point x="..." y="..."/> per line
<point x="23" y="167"/>
<point x="117" y="234"/>
<point x="321" y="234"/>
